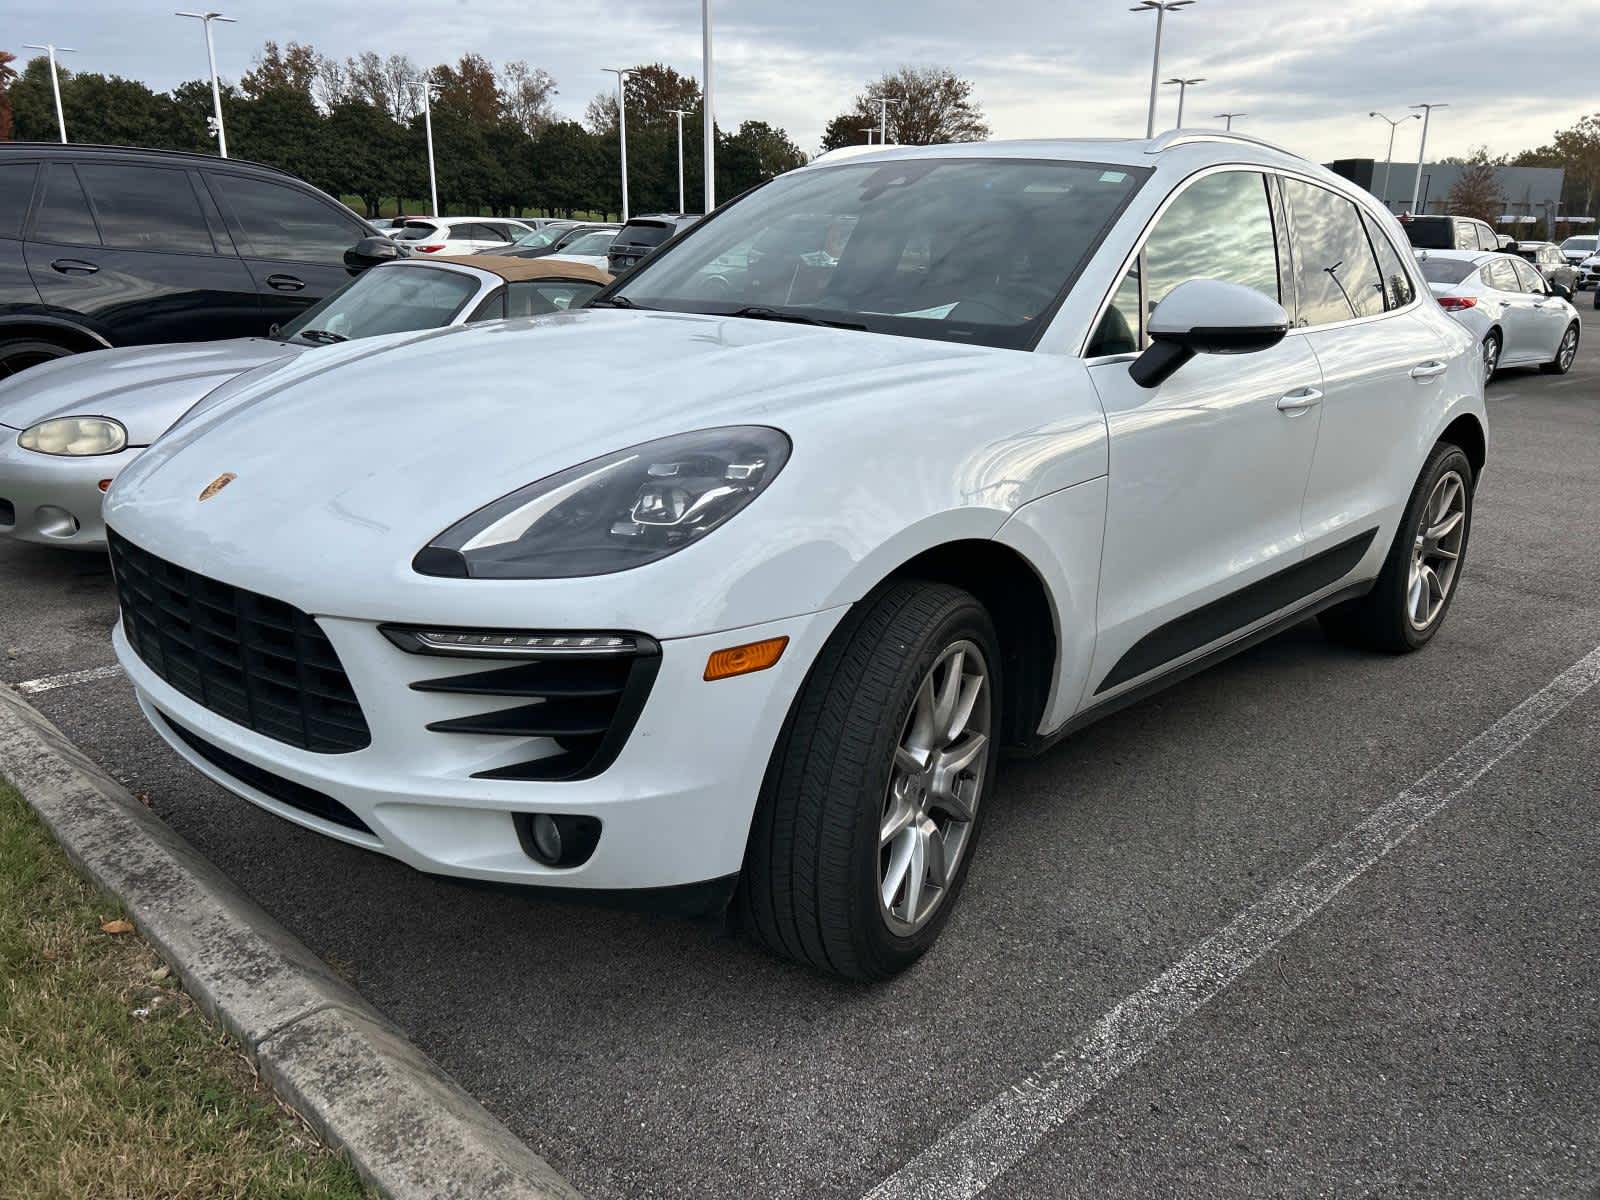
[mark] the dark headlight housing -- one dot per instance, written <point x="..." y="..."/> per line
<point x="615" y="512"/>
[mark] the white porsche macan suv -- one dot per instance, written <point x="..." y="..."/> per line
<point x="734" y="585"/>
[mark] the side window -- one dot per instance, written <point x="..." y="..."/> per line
<point x="1120" y="330"/>
<point x="16" y="191"/>
<point x="1465" y="237"/>
<point x="284" y="222"/>
<point x="493" y="307"/>
<point x="1528" y="279"/>
<point x="1502" y="275"/>
<point x="146" y="208"/>
<point x="64" y="214"/>
<point x="1335" y="268"/>
<point x="1487" y="238"/>
<point x="1220" y="227"/>
<point x="536" y="297"/>
<point x="1397" y="287"/>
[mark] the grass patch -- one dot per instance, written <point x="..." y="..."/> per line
<point x="112" y="1083"/>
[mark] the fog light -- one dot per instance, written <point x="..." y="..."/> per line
<point x="558" y="839"/>
<point x="547" y="838"/>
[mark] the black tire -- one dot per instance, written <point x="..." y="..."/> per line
<point x="1378" y="620"/>
<point x="18" y="354"/>
<point x="810" y="886"/>
<point x="1492" y="337"/>
<point x="1562" y="363"/>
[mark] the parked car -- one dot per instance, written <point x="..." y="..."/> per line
<point x="1514" y="314"/>
<point x="553" y="238"/>
<point x="459" y="235"/>
<point x="537" y="240"/>
<point x="68" y="427"/>
<point x="1449" y="233"/>
<point x="640" y="237"/>
<point x="110" y="246"/>
<point x="1580" y="246"/>
<point x="1589" y="274"/>
<point x="1551" y="263"/>
<point x="705" y="591"/>
<point x="588" y="248"/>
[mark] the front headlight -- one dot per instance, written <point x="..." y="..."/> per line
<point x="612" y="513"/>
<point x="75" y="436"/>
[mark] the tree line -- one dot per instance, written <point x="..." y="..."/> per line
<point x="354" y="128"/>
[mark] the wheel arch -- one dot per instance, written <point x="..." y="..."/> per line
<point x="1467" y="432"/>
<point x="62" y="332"/>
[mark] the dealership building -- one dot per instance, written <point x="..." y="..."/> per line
<point x="1528" y="194"/>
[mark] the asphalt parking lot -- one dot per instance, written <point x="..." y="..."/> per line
<point x="1428" y="1030"/>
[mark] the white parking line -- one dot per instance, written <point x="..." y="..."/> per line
<point x="67" y="679"/>
<point x="1001" y="1133"/>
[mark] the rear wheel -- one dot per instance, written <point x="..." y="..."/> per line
<point x="1565" y="353"/>
<point x="18" y="354"/>
<point x="872" y="803"/>
<point x="1407" y="605"/>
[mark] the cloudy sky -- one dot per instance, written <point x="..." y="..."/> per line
<point x="1306" y="73"/>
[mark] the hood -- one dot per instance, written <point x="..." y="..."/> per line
<point x="147" y="388"/>
<point x="385" y="449"/>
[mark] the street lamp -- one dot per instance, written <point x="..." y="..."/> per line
<point x="1161" y="8"/>
<point x="205" y="18"/>
<point x="883" y="103"/>
<point x="1383" y="192"/>
<point x="1228" y="117"/>
<point x="869" y="130"/>
<point x="55" y="80"/>
<point x="1422" y="149"/>
<point x="427" y="86"/>
<point x="680" y="114"/>
<point x="709" y="121"/>
<point x="622" y="74"/>
<point x="1183" y="89"/>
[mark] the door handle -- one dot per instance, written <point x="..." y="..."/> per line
<point x="1428" y="371"/>
<point x="1299" y="401"/>
<point x="73" y="266"/>
<point x="285" y="283"/>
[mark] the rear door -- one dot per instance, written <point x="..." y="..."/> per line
<point x="292" y="240"/>
<point x="128" y="247"/>
<point x="1379" y="358"/>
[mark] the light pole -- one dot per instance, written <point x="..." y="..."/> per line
<point x="1383" y="191"/>
<point x="869" y="130"/>
<point x="680" y="114"/>
<point x="1228" y="117"/>
<point x="427" y="86"/>
<point x="205" y="18"/>
<point x="1183" y="89"/>
<point x="55" y="80"/>
<point x="883" y="103"/>
<point x="622" y="74"/>
<point x="1161" y="8"/>
<point x="709" y="131"/>
<point x="1422" y="149"/>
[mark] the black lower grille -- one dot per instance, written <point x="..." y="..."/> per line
<point x="8" y="513"/>
<point x="585" y="703"/>
<point x="257" y="661"/>
<point x="285" y="791"/>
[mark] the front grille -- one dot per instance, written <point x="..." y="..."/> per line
<point x="257" y="661"/>
<point x="577" y="708"/>
<point x="285" y="791"/>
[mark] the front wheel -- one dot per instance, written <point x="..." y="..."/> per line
<point x="1489" y="352"/>
<point x="18" y="354"/>
<point x="1565" y="353"/>
<point x="873" y="799"/>
<point x="1407" y="605"/>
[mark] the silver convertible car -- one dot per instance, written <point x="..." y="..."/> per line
<point x="68" y="427"/>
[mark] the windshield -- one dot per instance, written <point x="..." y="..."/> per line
<point x="590" y="243"/>
<point x="540" y="238"/>
<point x="390" y="299"/>
<point x="958" y="249"/>
<point x="1446" y="270"/>
<point x="1574" y="244"/>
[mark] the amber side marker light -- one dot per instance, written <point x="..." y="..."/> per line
<point x="741" y="660"/>
<point x="104" y="484"/>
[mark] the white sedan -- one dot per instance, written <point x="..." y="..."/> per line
<point x="459" y="235"/>
<point x="1517" y="318"/>
<point x="734" y="584"/>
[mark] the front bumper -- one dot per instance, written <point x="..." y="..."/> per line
<point x="52" y="499"/>
<point x="675" y="806"/>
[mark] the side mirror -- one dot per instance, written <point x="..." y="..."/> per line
<point x="1562" y="290"/>
<point x="1207" y="316"/>
<point x="369" y="252"/>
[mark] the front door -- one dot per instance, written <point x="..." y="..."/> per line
<point x="1208" y="470"/>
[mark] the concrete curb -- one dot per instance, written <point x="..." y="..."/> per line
<point x="409" y="1129"/>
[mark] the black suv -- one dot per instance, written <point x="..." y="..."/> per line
<point x="639" y="238"/>
<point x="113" y="246"/>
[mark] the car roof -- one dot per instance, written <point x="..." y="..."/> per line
<point x="82" y="149"/>
<point x="514" y="270"/>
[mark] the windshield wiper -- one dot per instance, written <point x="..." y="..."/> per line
<point x="322" y="336"/>
<point x="614" y="302"/>
<point x="761" y="312"/>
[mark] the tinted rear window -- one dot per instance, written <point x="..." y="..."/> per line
<point x="1431" y="233"/>
<point x="146" y="208"/>
<point x="1446" y="270"/>
<point x="64" y="214"/>
<point x="414" y="232"/>
<point x="16" y="190"/>
<point x="644" y="235"/>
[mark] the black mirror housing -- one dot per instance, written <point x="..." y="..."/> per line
<point x="369" y="252"/>
<point x="1207" y="316"/>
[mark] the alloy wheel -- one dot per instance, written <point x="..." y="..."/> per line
<point x="1569" y="348"/>
<point x="1491" y="357"/>
<point x="1436" y="553"/>
<point x="934" y="788"/>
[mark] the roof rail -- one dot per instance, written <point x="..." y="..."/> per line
<point x="1183" y="137"/>
<point x="199" y="154"/>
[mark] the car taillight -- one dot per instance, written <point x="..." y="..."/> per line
<point x="431" y="249"/>
<point x="1456" y="302"/>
